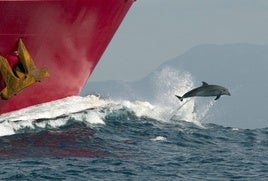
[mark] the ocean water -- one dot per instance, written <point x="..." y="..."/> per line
<point x="92" y="138"/>
<point x="151" y="137"/>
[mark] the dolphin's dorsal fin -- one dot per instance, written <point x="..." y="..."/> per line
<point x="204" y="83"/>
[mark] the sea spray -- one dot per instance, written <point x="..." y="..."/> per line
<point x="92" y="110"/>
<point x="93" y="114"/>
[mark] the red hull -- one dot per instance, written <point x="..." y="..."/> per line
<point x="67" y="37"/>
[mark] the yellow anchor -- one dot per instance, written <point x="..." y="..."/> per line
<point x="19" y="78"/>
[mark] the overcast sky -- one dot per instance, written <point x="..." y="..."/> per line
<point x="155" y="31"/>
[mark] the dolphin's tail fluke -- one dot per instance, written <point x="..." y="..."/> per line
<point x="179" y="97"/>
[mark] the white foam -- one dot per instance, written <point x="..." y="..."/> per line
<point x="55" y="108"/>
<point x="6" y="128"/>
<point x="159" y="138"/>
<point x="165" y="107"/>
<point x="26" y="118"/>
<point x="94" y="117"/>
<point x="140" y="108"/>
<point x="235" y="129"/>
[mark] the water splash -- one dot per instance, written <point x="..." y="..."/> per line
<point x="159" y="138"/>
<point x="92" y="110"/>
<point x="52" y="114"/>
<point x="169" y="82"/>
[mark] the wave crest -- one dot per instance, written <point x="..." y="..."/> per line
<point x="93" y="110"/>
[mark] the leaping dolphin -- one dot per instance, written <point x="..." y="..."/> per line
<point x="206" y="90"/>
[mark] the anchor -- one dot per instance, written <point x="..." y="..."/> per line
<point x="22" y="75"/>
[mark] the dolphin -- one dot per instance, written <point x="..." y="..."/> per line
<point x="206" y="90"/>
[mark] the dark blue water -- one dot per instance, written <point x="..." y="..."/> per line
<point x="128" y="146"/>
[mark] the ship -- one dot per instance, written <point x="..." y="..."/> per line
<point x="49" y="48"/>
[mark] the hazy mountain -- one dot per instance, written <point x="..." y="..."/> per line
<point x="243" y="68"/>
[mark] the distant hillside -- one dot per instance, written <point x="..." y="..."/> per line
<point x="243" y="68"/>
<point x="227" y="64"/>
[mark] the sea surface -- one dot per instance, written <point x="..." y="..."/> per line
<point x="93" y="138"/>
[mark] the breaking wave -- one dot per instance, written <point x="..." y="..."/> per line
<point x="153" y="137"/>
<point x="93" y="110"/>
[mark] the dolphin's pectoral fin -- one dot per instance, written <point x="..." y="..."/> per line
<point x="179" y="97"/>
<point x="204" y="83"/>
<point x="218" y="96"/>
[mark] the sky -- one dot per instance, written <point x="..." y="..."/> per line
<point x="155" y="31"/>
